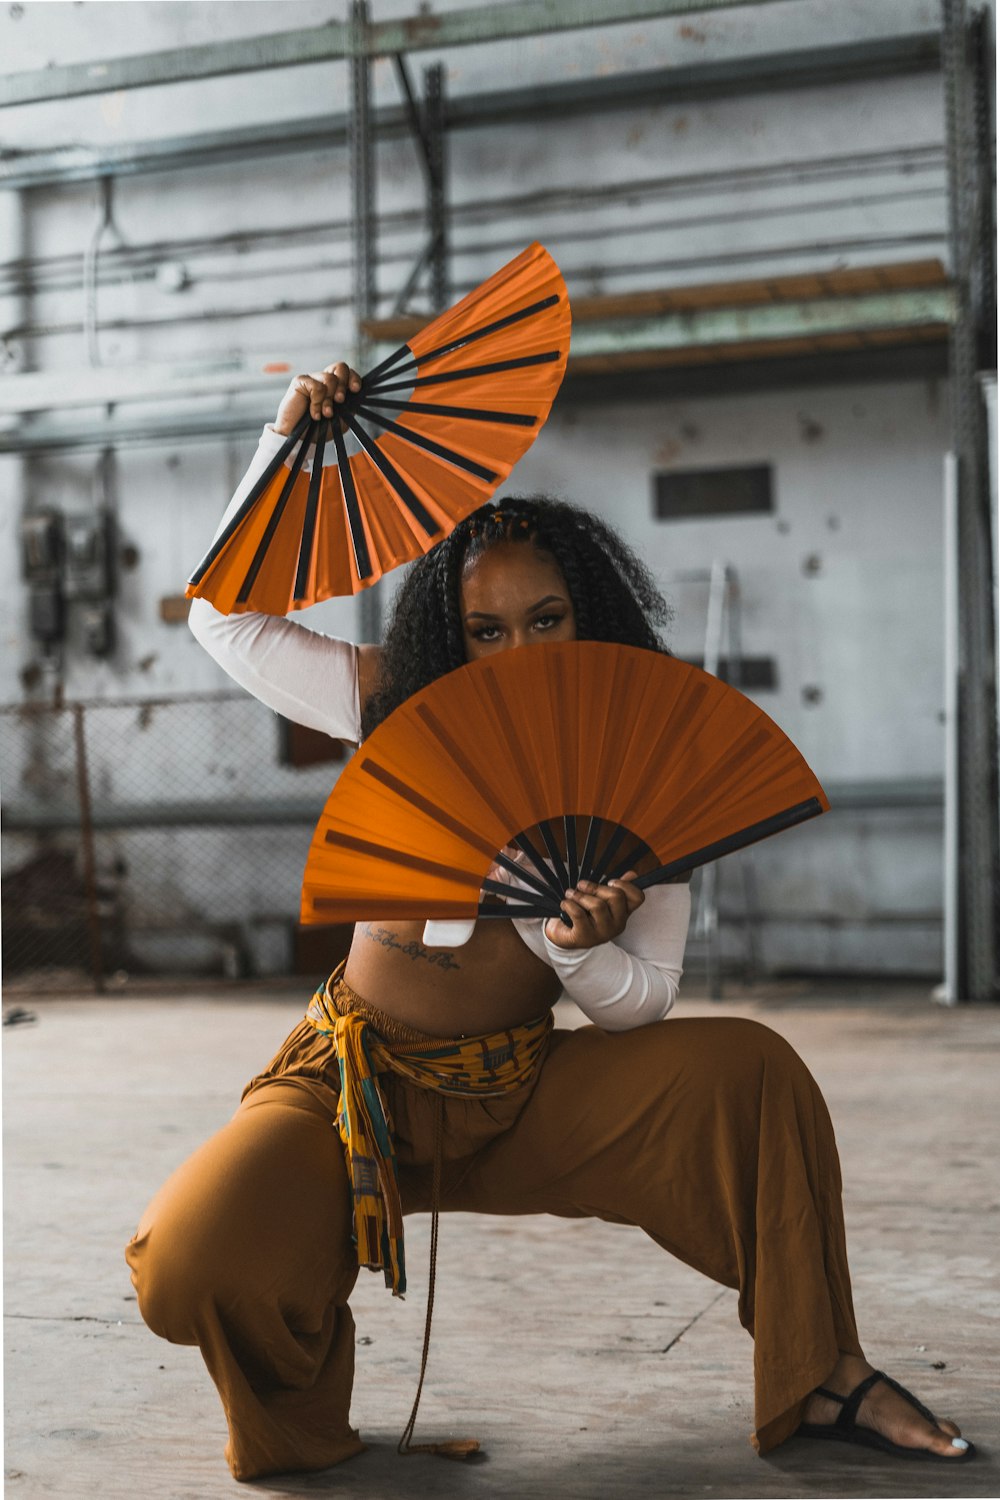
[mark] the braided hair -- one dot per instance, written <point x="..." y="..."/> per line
<point x="613" y="593"/>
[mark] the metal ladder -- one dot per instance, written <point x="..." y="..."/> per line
<point x="723" y="630"/>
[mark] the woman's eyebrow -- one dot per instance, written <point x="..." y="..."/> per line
<point x="480" y="614"/>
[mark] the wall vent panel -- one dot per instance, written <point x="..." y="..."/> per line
<point x="699" y="494"/>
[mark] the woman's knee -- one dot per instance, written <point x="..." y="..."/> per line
<point x="190" y="1261"/>
<point x="756" y="1045"/>
<point x="170" y="1287"/>
<point x="261" y="1212"/>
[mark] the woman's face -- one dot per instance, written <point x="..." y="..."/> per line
<point x="513" y="595"/>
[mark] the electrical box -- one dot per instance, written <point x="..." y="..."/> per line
<point x="98" y="623"/>
<point x="47" y="612"/>
<point x="88" y="553"/>
<point x="42" y="537"/>
<point x="69" y="559"/>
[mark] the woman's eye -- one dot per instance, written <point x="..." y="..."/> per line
<point x="547" y="622"/>
<point x="486" y="633"/>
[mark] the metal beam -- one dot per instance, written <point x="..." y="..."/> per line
<point x="338" y="41"/>
<point x="723" y="325"/>
<point x="846" y="796"/>
<point x="57" y="433"/>
<point x="53" y="817"/>
<point x="906" y="362"/>
<point x="878" y="57"/>
<point x="126" y="383"/>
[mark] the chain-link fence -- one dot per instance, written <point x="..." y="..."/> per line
<point x="155" y="837"/>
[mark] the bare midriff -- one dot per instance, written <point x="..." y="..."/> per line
<point x="491" y="983"/>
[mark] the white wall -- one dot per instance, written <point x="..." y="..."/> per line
<point x="674" y="194"/>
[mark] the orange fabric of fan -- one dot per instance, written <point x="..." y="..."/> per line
<point x="434" y="429"/>
<point x="549" y="764"/>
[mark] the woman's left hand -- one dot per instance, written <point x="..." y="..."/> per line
<point x="598" y="912"/>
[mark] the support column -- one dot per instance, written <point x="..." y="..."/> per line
<point x="364" y="230"/>
<point x="428" y="128"/>
<point x="969" y="200"/>
<point x="437" y="208"/>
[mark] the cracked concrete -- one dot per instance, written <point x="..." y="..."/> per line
<point x="611" y="1371"/>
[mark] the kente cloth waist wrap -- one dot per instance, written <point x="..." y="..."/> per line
<point x="482" y="1066"/>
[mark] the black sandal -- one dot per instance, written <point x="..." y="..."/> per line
<point x="846" y="1430"/>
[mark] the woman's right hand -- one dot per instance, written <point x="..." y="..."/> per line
<point x="317" y="394"/>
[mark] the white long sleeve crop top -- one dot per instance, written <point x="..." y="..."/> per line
<point x="312" y="679"/>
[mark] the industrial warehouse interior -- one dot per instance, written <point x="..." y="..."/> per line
<point x="772" y="224"/>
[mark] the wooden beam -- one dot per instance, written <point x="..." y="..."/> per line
<point x="905" y="276"/>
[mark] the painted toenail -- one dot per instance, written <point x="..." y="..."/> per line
<point x="959" y="1443"/>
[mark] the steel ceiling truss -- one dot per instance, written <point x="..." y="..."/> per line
<point x="877" y="57"/>
<point x="341" y="41"/>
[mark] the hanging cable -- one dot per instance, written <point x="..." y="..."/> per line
<point x="105" y="221"/>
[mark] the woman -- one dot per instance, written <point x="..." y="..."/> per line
<point x="710" y="1134"/>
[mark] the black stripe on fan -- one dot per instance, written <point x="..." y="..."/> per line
<point x="607" y="854"/>
<point x="518" y="906"/>
<point x="267" y="536"/>
<point x="404" y="351"/>
<point x="529" y="898"/>
<point x="572" y="856"/>
<point x="309" y="520"/>
<point x="416" y="799"/>
<point x="466" y="413"/>
<point x="472" y="337"/>
<point x="467" y="372"/>
<point x="521" y="903"/>
<point x="254" y="495"/>
<point x="590" y="846"/>
<point x="522" y="842"/>
<point x="800" y="813"/>
<point x="389" y="906"/>
<point x="469" y="770"/>
<point x="544" y="886"/>
<point x="393" y="477"/>
<point x="630" y="862"/>
<point x="362" y="560"/>
<point x="549" y="840"/>
<point x="428" y="444"/>
<point x="397" y="857"/>
<point x="488" y="328"/>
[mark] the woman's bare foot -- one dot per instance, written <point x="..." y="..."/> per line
<point x="883" y="1410"/>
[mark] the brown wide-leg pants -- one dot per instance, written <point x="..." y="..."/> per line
<point x="710" y="1134"/>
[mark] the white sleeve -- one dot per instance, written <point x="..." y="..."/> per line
<point x="636" y="978"/>
<point x="301" y="673"/>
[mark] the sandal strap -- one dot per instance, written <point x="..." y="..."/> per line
<point x="911" y="1398"/>
<point x="848" y="1415"/>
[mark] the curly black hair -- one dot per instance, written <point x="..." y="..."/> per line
<point x="613" y="593"/>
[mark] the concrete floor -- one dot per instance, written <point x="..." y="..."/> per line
<point x="617" y="1372"/>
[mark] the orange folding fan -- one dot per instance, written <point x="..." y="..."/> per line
<point x="435" y="428"/>
<point x="587" y="759"/>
